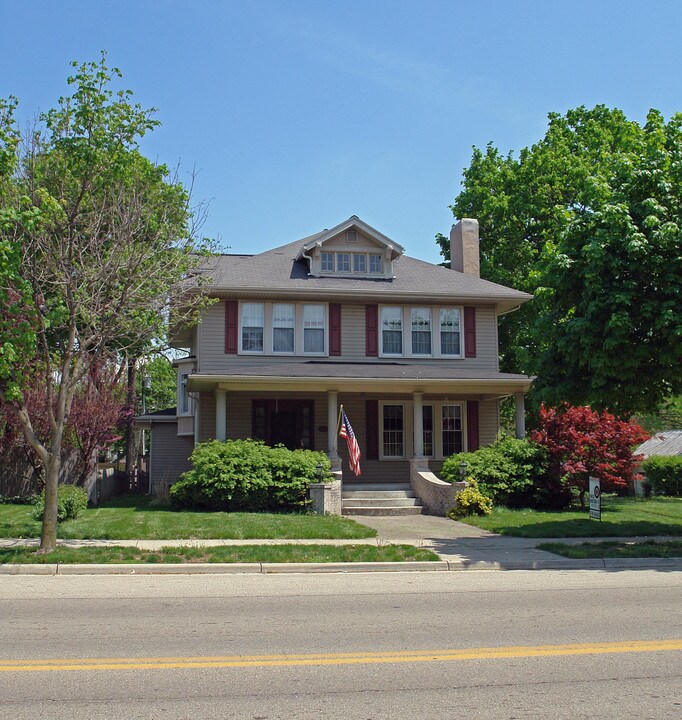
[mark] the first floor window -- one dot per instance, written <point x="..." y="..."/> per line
<point x="392" y="330"/>
<point x="313" y="329"/>
<point x="283" y="325"/>
<point x="421" y="331"/>
<point x="452" y="430"/>
<point x="427" y="422"/>
<point x="252" y="327"/>
<point x="393" y="431"/>
<point x="449" y="332"/>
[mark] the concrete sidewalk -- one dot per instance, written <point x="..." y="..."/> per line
<point x="459" y="546"/>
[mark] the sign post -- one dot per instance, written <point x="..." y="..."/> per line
<point x="595" y="499"/>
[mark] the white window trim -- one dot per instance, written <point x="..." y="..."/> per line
<point x="268" y="330"/>
<point x="181" y="389"/>
<point x="407" y="430"/>
<point x="438" y="431"/>
<point x="435" y="332"/>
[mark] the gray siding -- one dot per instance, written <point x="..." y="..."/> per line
<point x="169" y="456"/>
<point x="212" y="360"/>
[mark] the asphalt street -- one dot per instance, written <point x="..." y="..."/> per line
<point x="543" y="644"/>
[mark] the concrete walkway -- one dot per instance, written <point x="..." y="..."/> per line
<point x="459" y="546"/>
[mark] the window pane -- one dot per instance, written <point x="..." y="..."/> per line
<point x="393" y="431"/>
<point x="359" y="263"/>
<point x="283" y="323"/>
<point x="375" y="265"/>
<point x="342" y="262"/>
<point x="421" y="331"/>
<point x="452" y="430"/>
<point x="184" y="395"/>
<point x="328" y="262"/>
<point x="313" y="328"/>
<point x="449" y="332"/>
<point x="392" y="330"/>
<point x="252" y="327"/>
<point x="427" y="421"/>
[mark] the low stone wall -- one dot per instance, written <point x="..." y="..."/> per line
<point x="326" y="497"/>
<point x="436" y="495"/>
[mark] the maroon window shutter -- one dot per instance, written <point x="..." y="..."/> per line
<point x="334" y="329"/>
<point x="372" y="429"/>
<point x="231" y="324"/>
<point x="470" y="332"/>
<point x="372" y="330"/>
<point x="472" y="425"/>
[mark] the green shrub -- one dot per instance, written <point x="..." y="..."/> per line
<point x="247" y="475"/>
<point x="664" y="474"/>
<point x="470" y="501"/>
<point x="510" y="472"/>
<point x="71" y="501"/>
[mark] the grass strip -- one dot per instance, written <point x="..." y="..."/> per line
<point x="621" y="517"/>
<point x="139" y="518"/>
<point x="223" y="554"/>
<point x="615" y="549"/>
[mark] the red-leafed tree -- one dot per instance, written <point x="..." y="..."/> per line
<point x="582" y="442"/>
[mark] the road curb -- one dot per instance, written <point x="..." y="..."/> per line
<point x="663" y="564"/>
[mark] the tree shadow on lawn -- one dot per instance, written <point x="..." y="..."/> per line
<point x="584" y="527"/>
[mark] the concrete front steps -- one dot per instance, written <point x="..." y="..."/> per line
<point x="380" y="499"/>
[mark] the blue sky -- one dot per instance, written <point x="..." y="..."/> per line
<point x="297" y="114"/>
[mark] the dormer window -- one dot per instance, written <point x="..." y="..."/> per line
<point x="375" y="263"/>
<point x="327" y="262"/>
<point x="359" y="262"/>
<point x="343" y="262"/>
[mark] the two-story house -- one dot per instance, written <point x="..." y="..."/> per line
<point x="344" y="317"/>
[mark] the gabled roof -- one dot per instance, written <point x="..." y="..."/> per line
<point x="667" y="442"/>
<point x="281" y="272"/>
<point x="353" y="222"/>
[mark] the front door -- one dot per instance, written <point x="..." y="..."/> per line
<point x="284" y="422"/>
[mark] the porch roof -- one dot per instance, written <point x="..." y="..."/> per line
<point x="322" y="376"/>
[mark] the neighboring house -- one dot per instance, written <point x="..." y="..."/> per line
<point x="667" y="442"/>
<point x="344" y="317"/>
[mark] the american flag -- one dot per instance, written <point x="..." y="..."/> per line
<point x="353" y="447"/>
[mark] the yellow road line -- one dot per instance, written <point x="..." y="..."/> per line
<point x="404" y="656"/>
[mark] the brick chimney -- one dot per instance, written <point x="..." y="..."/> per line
<point x="464" y="251"/>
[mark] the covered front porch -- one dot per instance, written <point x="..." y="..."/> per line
<point x="399" y="412"/>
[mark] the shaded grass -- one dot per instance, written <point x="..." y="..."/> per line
<point x="621" y="516"/>
<point x="615" y="549"/>
<point x="137" y="517"/>
<point x="223" y="554"/>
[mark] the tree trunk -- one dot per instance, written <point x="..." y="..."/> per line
<point x="130" y="426"/>
<point x="48" y="537"/>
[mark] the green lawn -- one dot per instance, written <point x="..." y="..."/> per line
<point x="135" y="517"/>
<point x="223" y="554"/>
<point x="621" y="516"/>
<point x="615" y="549"/>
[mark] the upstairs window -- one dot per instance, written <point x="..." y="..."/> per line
<point x="313" y="329"/>
<point x="327" y="262"/>
<point x="421" y="331"/>
<point x="252" y="327"/>
<point x="450" y="332"/>
<point x="343" y="262"/>
<point x="392" y="330"/>
<point x="359" y="263"/>
<point x="184" y="407"/>
<point x="283" y="327"/>
<point x="375" y="264"/>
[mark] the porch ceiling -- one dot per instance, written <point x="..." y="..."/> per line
<point x="384" y="377"/>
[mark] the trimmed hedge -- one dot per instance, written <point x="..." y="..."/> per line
<point x="71" y="501"/>
<point x="511" y="472"/>
<point x="664" y="474"/>
<point x="247" y="475"/>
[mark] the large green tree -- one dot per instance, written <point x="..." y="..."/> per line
<point x="589" y="220"/>
<point x="102" y="234"/>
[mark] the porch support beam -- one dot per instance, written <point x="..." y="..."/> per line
<point x="332" y="417"/>
<point x="220" y="415"/>
<point x="418" y="423"/>
<point x="520" y="415"/>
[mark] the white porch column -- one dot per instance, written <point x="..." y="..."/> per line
<point x="332" y="417"/>
<point x="220" y="415"/>
<point x="520" y="415"/>
<point x="418" y="423"/>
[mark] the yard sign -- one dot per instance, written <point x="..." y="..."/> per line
<point x="595" y="499"/>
